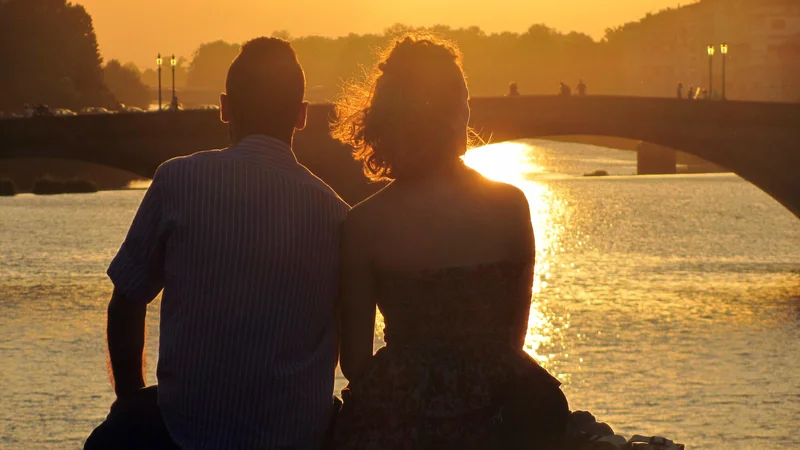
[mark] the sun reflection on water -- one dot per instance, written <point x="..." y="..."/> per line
<point x="514" y="163"/>
<point x="509" y="162"/>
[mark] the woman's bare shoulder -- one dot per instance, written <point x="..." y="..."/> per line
<point x="367" y="211"/>
<point x="503" y="194"/>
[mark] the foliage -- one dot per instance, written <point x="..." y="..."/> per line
<point x="538" y="59"/>
<point x="209" y="66"/>
<point x="49" y="54"/>
<point x="126" y="84"/>
<point x="7" y="188"/>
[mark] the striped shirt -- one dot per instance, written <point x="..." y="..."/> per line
<point x="244" y="243"/>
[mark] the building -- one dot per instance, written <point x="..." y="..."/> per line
<point x="763" y="38"/>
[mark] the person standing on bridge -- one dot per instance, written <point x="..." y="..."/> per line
<point x="244" y="243"/>
<point x="175" y="105"/>
<point x="581" y="88"/>
<point x="564" y="90"/>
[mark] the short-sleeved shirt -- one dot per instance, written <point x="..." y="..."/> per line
<point x="244" y="243"/>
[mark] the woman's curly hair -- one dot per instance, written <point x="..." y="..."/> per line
<point x="409" y="115"/>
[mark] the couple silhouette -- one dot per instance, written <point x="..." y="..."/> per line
<point x="269" y="279"/>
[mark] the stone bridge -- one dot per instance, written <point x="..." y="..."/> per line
<point x="758" y="141"/>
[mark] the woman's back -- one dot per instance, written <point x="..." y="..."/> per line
<point x="455" y="220"/>
<point x="450" y="256"/>
<point x="456" y="306"/>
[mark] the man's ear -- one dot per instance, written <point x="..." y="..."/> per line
<point x="302" y="117"/>
<point x="224" y="108"/>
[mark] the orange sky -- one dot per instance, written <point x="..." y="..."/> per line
<point x="135" y="30"/>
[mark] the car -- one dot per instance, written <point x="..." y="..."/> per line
<point x="63" y="112"/>
<point x="208" y="107"/>
<point x="170" y="107"/>
<point x="95" y="110"/>
<point x="131" y="110"/>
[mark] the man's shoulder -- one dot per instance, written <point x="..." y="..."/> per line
<point x="178" y="165"/>
<point x="182" y="161"/>
<point x="316" y="182"/>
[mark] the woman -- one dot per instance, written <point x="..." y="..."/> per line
<point x="447" y="255"/>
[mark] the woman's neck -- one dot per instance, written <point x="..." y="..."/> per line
<point x="450" y="170"/>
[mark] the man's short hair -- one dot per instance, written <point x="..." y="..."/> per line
<point x="265" y="86"/>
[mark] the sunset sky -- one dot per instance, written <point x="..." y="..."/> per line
<point x="137" y="30"/>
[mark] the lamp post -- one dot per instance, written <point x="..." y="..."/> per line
<point x="711" y="51"/>
<point x="173" y="62"/>
<point x="159" y="63"/>
<point x="724" y="50"/>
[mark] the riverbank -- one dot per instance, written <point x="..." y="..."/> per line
<point x="52" y="186"/>
<point x="24" y="173"/>
<point x="7" y="188"/>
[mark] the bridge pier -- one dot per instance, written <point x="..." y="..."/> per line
<point x="654" y="159"/>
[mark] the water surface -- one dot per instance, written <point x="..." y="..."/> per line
<point x="668" y="305"/>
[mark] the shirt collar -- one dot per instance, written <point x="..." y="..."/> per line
<point x="266" y="144"/>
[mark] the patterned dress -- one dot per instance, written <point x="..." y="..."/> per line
<point x="448" y="377"/>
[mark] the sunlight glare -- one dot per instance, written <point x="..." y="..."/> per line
<point x="510" y="162"/>
<point x="139" y="184"/>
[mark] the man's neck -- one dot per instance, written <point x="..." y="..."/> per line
<point x="239" y="137"/>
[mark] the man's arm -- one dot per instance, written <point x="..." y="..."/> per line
<point x="125" y="333"/>
<point x="138" y="276"/>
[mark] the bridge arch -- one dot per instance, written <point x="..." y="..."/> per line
<point x="649" y="158"/>
<point x="758" y="141"/>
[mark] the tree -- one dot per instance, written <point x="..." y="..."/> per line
<point x="398" y="29"/>
<point x="210" y="63"/>
<point x="49" y="54"/>
<point x="282" y="34"/>
<point x="126" y="84"/>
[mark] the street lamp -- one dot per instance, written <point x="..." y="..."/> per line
<point x="159" y="63"/>
<point x="711" y="51"/>
<point x="724" y="50"/>
<point x="173" y="62"/>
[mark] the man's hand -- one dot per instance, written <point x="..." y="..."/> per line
<point x="125" y="334"/>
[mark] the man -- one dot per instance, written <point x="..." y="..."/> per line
<point x="244" y="243"/>
<point x="581" y="88"/>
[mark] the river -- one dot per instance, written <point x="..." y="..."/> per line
<point x="667" y="305"/>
